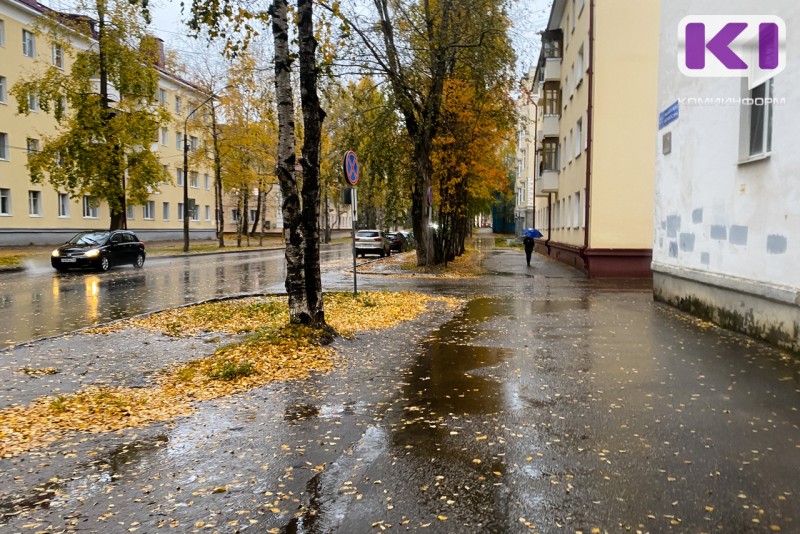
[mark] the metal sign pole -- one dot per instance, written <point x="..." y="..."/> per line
<point x="351" y="173"/>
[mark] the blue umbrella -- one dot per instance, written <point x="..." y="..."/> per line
<point x="533" y="233"/>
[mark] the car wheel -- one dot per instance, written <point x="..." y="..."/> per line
<point x="104" y="264"/>
<point x="139" y="262"/>
<point x="383" y="253"/>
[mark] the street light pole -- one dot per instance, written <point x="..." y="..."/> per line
<point x="186" y="168"/>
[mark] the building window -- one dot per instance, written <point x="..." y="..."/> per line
<point x="164" y="135"/>
<point x="579" y="66"/>
<point x="4" y="152"/>
<point x="130" y="212"/>
<point x="63" y="205"/>
<point x="580" y="6"/>
<point x="193" y="175"/>
<point x="58" y="56"/>
<point x="33" y="145"/>
<point x="3" y="89"/>
<point x="552" y="99"/>
<point x="178" y="106"/>
<point x="208" y="212"/>
<point x="179" y="140"/>
<point x="148" y="210"/>
<point x="33" y="100"/>
<point x="578" y="137"/>
<point x="5" y="201"/>
<point x="180" y="211"/>
<point x="2" y="33"/>
<point x="235" y="215"/>
<point x="206" y="181"/>
<point x="551" y="48"/>
<point x="90" y="209"/>
<point x="162" y="97"/>
<point x="35" y="203"/>
<point x="193" y="143"/>
<point x="179" y="172"/>
<point x="576" y="210"/>
<point x="574" y="16"/>
<point x="194" y="209"/>
<point x="550" y="154"/>
<point x="165" y="211"/>
<point x="28" y="43"/>
<point x="757" y="122"/>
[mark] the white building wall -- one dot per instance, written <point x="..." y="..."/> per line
<point x="719" y="222"/>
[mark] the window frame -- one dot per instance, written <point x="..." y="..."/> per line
<point x="5" y="202"/>
<point x="5" y="150"/>
<point x="57" y="53"/>
<point x="89" y="211"/>
<point x="3" y="90"/>
<point x="747" y="116"/>
<point x="63" y="206"/>
<point x="165" y="210"/>
<point x="148" y="210"/>
<point x="28" y="43"/>
<point x="34" y="203"/>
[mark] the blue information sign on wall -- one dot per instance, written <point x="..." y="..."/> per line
<point x="668" y="115"/>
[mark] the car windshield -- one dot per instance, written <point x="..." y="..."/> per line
<point x="391" y="236"/>
<point x="89" y="238"/>
<point x="368" y="233"/>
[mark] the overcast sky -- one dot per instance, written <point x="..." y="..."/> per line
<point x="529" y="17"/>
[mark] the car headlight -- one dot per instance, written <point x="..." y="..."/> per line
<point x="92" y="253"/>
<point x="56" y="253"/>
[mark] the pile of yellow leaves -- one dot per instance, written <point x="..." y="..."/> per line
<point x="468" y="265"/>
<point x="275" y="351"/>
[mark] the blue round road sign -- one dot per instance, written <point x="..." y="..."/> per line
<point x="351" y="168"/>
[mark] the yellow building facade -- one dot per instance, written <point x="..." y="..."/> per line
<point x="597" y="77"/>
<point x="38" y="213"/>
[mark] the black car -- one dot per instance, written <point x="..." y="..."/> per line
<point x="99" y="249"/>
<point x="397" y="241"/>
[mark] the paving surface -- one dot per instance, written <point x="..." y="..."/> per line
<point x="549" y="403"/>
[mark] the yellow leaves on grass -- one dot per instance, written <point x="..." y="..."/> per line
<point x="276" y="351"/>
<point x="468" y="265"/>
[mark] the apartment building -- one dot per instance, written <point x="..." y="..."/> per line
<point x="527" y="111"/>
<point x="727" y="204"/>
<point x="37" y="213"/>
<point x="596" y="123"/>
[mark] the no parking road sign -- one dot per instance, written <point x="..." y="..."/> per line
<point x="351" y="168"/>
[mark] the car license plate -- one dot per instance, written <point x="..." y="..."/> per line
<point x="68" y="260"/>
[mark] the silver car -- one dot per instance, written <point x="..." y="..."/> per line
<point x="372" y="242"/>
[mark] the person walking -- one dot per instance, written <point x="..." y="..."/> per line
<point x="528" y="242"/>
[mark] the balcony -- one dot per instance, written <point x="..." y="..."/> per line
<point x="552" y="69"/>
<point x="547" y="183"/>
<point x="550" y="125"/>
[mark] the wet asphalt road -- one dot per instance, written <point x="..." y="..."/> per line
<point x="548" y="404"/>
<point x="40" y="302"/>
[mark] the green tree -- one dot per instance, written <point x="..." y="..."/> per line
<point x="417" y="45"/>
<point x="104" y="106"/>
<point x="363" y="119"/>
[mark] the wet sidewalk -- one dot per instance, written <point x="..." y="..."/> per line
<point x="549" y="403"/>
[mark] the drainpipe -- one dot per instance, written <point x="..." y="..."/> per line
<point x="589" y="108"/>
<point x="549" y="221"/>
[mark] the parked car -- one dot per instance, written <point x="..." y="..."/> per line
<point x="397" y="241"/>
<point x="410" y="241"/>
<point x="99" y="249"/>
<point x="372" y="242"/>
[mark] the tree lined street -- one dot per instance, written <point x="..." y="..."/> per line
<point x="547" y="403"/>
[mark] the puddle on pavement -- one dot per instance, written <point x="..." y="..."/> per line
<point x="122" y="461"/>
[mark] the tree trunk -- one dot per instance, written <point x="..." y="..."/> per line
<point x="292" y="231"/>
<point x="313" y="115"/>
<point x="258" y="212"/>
<point x="220" y="212"/>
